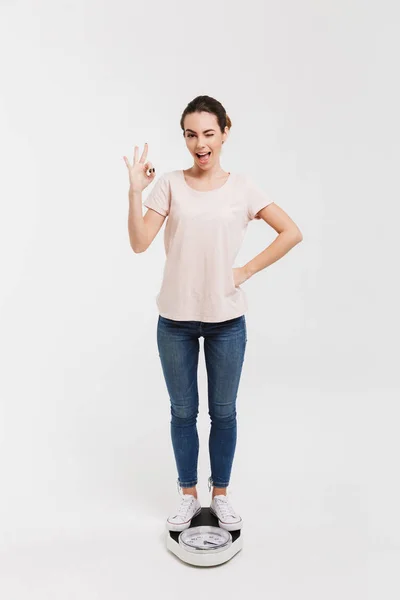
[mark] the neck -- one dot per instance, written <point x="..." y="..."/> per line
<point x="213" y="172"/>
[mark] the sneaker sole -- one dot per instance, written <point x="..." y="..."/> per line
<point x="227" y="526"/>
<point x="182" y="526"/>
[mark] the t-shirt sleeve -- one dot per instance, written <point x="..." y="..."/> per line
<point x="257" y="199"/>
<point x="159" y="197"/>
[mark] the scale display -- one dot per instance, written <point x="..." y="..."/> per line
<point x="205" y="538"/>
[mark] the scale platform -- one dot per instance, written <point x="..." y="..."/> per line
<point x="204" y="527"/>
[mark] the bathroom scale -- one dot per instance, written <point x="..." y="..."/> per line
<point x="204" y="543"/>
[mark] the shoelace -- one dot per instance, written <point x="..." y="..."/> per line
<point x="224" y="506"/>
<point x="185" y="504"/>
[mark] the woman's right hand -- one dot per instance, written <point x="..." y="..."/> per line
<point x="138" y="178"/>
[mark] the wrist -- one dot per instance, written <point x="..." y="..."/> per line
<point x="134" y="192"/>
<point x="248" y="271"/>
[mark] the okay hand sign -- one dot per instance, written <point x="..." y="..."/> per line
<point x="138" y="178"/>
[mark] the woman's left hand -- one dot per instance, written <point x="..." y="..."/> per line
<point x="239" y="275"/>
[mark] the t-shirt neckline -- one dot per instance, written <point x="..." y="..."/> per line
<point x="205" y="191"/>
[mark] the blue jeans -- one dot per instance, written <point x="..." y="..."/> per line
<point x="224" y="349"/>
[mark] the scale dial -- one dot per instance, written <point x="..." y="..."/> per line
<point x="205" y="538"/>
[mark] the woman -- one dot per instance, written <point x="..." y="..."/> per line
<point x="208" y="211"/>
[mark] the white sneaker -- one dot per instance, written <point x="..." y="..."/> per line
<point x="189" y="508"/>
<point x="221" y="508"/>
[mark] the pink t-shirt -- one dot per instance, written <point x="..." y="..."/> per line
<point x="203" y="234"/>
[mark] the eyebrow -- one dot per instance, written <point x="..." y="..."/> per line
<point x="205" y="131"/>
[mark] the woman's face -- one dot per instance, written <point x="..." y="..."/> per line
<point x="203" y="135"/>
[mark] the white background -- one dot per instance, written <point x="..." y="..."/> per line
<point x="87" y="473"/>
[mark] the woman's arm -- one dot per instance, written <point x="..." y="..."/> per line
<point x="136" y="224"/>
<point x="289" y="236"/>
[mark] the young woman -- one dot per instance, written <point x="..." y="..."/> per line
<point x="208" y="210"/>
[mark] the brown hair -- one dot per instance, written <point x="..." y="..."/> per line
<point x="210" y="105"/>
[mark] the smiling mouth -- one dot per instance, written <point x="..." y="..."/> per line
<point x="203" y="160"/>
